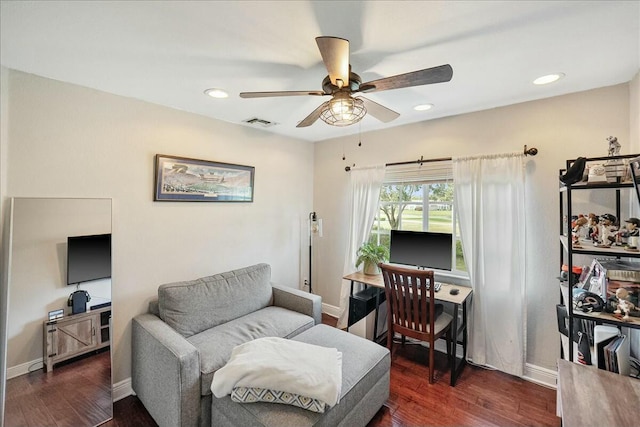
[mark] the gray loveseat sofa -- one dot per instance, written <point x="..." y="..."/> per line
<point x="192" y="328"/>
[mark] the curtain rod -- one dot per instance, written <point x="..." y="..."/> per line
<point x="527" y="152"/>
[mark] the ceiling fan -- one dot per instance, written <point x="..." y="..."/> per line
<point x="341" y="84"/>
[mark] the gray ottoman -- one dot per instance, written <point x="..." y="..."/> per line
<point x="365" y="388"/>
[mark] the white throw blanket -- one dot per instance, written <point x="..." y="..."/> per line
<point x="284" y="365"/>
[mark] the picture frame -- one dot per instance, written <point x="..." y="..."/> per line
<point x="183" y="179"/>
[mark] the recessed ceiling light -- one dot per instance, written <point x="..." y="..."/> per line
<point x="423" y="107"/>
<point x="549" y="78"/>
<point x="216" y="93"/>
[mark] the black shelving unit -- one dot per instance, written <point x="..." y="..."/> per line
<point x="567" y="251"/>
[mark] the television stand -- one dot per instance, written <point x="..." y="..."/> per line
<point x="75" y="335"/>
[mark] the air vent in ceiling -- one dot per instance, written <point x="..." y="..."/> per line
<point x="259" y="122"/>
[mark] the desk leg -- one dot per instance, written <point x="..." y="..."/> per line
<point x="349" y="308"/>
<point x="454" y="326"/>
<point x="464" y="331"/>
<point x="457" y="366"/>
<point x="375" y="325"/>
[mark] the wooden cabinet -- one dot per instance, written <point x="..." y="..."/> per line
<point x="76" y="335"/>
<point x="586" y="251"/>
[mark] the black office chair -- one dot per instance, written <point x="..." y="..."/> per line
<point x="410" y="306"/>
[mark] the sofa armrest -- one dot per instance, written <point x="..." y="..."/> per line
<point x="165" y="372"/>
<point x="297" y="300"/>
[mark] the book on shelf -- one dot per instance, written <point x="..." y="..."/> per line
<point x="613" y="366"/>
<point x="612" y="350"/>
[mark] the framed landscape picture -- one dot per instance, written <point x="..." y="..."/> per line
<point x="184" y="179"/>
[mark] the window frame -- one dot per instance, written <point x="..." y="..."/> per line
<point x="425" y="203"/>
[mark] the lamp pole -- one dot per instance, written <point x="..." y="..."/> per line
<point x="312" y="219"/>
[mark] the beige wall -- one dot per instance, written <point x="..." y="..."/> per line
<point x="561" y="128"/>
<point x="70" y="141"/>
<point x="634" y="113"/>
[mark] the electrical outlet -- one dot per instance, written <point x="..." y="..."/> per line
<point x="305" y="282"/>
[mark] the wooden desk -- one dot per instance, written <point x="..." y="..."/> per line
<point x="594" y="397"/>
<point x="443" y="296"/>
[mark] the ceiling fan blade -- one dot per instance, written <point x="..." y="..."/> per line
<point x="311" y="118"/>
<point x="283" y="93"/>
<point x="378" y="111"/>
<point x="335" y="54"/>
<point x="440" y="74"/>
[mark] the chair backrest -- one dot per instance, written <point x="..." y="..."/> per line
<point x="410" y="299"/>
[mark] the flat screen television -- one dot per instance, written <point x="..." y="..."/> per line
<point x="421" y="249"/>
<point x="88" y="258"/>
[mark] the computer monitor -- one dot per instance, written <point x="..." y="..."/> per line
<point x="421" y="249"/>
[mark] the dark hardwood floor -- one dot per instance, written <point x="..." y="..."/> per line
<point x="76" y="393"/>
<point x="480" y="397"/>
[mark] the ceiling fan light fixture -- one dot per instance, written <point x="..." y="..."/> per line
<point x="216" y="93"/>
<point x="549" y="78"/>
<point x="343" y="110"/>
<point x="423" y="107"/>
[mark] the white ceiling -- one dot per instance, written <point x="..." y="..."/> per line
<point x="168" y="53"/>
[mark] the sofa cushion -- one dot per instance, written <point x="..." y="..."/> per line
<point x="215" y="344"/>
<point x="194" y="306"/>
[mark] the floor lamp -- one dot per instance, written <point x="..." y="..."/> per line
<point x="315" y="227"/>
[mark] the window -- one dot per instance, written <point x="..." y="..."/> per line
<point x="423" y="202"/>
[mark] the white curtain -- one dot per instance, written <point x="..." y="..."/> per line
<point x="489" y="196"/>
<point x="364" y="185"/>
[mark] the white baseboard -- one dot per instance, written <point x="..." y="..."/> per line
<point x="25" y="368"/>
<point x="121" y="389"/>
<point x="331" y="310"/>
<point x="539" y="375"/>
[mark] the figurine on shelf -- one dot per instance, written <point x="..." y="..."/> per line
<point x="607" y="230"/>
<point x="614" y="146"/>
<point x="574" y="218"/>
<point x="624" y="305"/>
<point x="593" y="227"/>
<point x="629" y="235"/>
<point x="580" y="230"/>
